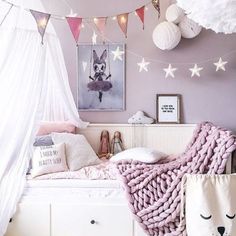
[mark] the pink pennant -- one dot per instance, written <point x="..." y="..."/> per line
<point x="123" y="22"/>
<point x="100" y="22"/>
<point x="140" y="13"/>
<point x="75" y="26"/>
<point x="41" y="19"/>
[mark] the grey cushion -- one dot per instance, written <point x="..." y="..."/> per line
<point x="45" y="140"/>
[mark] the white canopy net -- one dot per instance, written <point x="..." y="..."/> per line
<point x="33" y="87"/>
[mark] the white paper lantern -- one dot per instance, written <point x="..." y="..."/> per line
<point x="174" y="13"/>
<point x="218" y="15"/>
<point x="189" y="29"/>
<point x="166" y="35"/>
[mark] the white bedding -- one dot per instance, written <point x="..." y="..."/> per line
<point x="91" y="182"/>
<point x="105" y="170"/>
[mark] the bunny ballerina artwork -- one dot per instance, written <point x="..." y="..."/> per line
<point x="99" y="81"/>
<point x="101" y="77"/>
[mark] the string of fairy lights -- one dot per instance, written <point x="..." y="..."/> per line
<point x="77" y="23"/>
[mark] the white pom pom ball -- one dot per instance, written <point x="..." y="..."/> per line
<point x="166" y="35"/>
<point x="189" y="29"/>
<point x="174" y="13"/>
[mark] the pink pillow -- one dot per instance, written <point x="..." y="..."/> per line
<point x="57" y="127"/>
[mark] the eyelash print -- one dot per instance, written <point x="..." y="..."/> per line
<point x="205" y="217"/>
<point x="230" y="217"/>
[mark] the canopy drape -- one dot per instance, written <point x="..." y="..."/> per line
<point x="33" y="87"/>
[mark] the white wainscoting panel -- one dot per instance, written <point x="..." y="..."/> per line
<point x="171" y="139"/>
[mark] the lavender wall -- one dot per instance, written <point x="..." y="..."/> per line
<point x="211" y="97"/>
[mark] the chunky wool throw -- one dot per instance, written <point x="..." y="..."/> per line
<point x="154" y="190"/>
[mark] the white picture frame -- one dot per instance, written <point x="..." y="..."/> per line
<point x="168" y="108"/>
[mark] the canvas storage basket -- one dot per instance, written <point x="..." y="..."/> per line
<point x="210" y="205"/>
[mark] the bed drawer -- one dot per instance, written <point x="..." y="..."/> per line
<point x="30" y="220"/>
<point x="91" y="220"/>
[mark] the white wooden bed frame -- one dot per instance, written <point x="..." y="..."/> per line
<point x="86" y="213"/>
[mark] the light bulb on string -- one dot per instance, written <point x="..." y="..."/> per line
<point x="42" y="22"/>
<point x="123" y="20"/>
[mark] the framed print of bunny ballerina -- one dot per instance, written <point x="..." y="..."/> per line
<point x="101" y="77"/>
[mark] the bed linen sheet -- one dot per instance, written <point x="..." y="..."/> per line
<point x="104" y="171"/>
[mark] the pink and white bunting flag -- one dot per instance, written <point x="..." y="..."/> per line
<point x="75" y="24"/>
<point x="100" y="22"/>
<point x="140" y="12"/>
<point x="41" y="19"/>
<point x="122" y="20"/>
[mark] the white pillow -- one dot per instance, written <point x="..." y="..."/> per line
<point x="79" y="153"/>
<point x="142" y="154"/>
<point x="49" y="159"/>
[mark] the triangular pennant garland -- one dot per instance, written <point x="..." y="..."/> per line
<point x="100" y="22"/>
<point x="156" y="4"/>
<point x="75" y="26"/>
<point x="122" y="20"/>
<point x="41" y="19"/>
<point x="140" y="13"/>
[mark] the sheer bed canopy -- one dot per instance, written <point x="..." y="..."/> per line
<point x="33" y="88"/>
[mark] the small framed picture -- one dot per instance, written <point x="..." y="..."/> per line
<point x="168" y="108"/>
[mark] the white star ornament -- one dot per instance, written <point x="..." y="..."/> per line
<point x="195" y="70"/>
<point x="170" y="71"/>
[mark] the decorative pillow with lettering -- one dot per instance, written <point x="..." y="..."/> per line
<point x="49" y="159"/>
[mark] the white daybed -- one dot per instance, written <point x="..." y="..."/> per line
<point x="71" y="207"/>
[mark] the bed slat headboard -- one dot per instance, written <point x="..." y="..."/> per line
<point x="171" y="139"/>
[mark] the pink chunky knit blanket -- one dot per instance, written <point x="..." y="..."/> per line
<point x="153" y="191"/>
